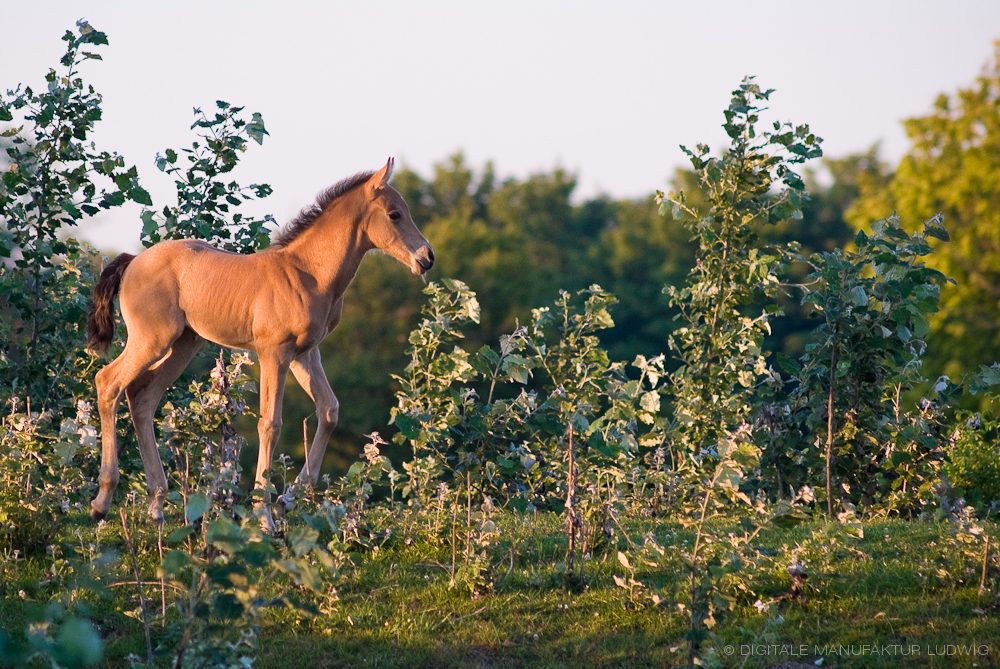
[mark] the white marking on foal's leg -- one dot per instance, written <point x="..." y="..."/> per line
<point x="156" y="505"/>
<point x="285" y="501"/>
<point x="263" y="513"/>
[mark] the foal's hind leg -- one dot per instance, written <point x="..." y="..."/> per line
<point x="111" y="383"/>
<point x="144" y="395"/>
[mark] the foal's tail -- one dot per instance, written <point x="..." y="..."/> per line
<point x="101" y="320"/>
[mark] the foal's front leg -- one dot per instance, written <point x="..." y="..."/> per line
<point x="308" y="371"/>
<point x="273" y="369"/>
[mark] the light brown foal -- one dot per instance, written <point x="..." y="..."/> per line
<point x="281" y="302"/>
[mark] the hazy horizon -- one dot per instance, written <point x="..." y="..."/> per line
<point x="606" y="94"/>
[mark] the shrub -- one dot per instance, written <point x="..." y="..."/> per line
<point x="56" y="179"/>
<point x="44" y="473"/>
<point x="973" y="466"/>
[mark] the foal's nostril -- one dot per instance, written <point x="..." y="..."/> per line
<point x="426" y="258"/>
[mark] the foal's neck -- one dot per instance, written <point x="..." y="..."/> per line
<point x="331" y="249"/>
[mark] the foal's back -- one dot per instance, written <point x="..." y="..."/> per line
<point x="190" y="283"/>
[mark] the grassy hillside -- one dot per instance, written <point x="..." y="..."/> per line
<point x="906" y="586"/>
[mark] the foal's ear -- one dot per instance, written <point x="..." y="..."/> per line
<point x="381" y="178"/>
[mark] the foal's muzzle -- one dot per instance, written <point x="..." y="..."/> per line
<point x="425" y="257"/>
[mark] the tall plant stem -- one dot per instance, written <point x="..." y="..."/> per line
<point x="138" y="585"/>
<point x="468" y="516"/>
<point x="454" y="536"/>
<point x="695" y="620"/>
<point x="829" y="428"/>
<point x="571" y="519"/>
<point x="985" y="569"/>
<point x="163" y="577"/>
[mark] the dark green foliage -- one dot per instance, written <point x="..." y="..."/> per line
<point x="974" y="462"/>
<point x="40" y="485"/>
<point x="875" y="302"/>
<point x="974" y="466"/>
<point x="64" y="641"/>
<point x="502" y="413"/>
<point x="55" y="178"/>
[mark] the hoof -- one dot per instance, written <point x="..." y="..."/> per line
<point x="265" y="519"/>
<point x="96" y="513"/>
<point x="156" y="515"/>
<point x="285" y="504"/>
<point x="267" y="525"/>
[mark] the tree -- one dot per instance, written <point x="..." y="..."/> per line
<point x="719" y="342"/>
<point x="206" y="204"/>
<point x="55" y="179"/>
<point x="953" y="167"/>
<point x="874" y="302"/>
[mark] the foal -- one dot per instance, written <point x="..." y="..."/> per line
<point x="280" y="302"/>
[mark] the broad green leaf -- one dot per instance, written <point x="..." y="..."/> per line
<point x="256" y="128"/>
<point x="518" y="373"/>
<point x="179" y="535"/>
<point x="935" y="228"/>
<point x="197" y="505"/>
<point x="225" y="534"/>
<point x="141" y="195"/>
<point x="149" y="224"/>
<point x="302" y="540"/>
<point x="174" y="562"/>
<point x="858" y="297"/>
<point x="650" y="401"/>
<point x="78" y="644"/>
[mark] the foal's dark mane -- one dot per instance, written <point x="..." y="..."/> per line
<point x="309" y="214"/>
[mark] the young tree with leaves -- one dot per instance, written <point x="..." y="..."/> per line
<point x="875" y="301"/>
<point x="207" y="204"/>
<point x="718" y="344"/>
<point x="56" y="178"/>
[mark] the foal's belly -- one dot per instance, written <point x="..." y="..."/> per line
<point x="247" y="302"/>
<point x="219" y="318"/>
<point x="218" y="293"/>
<point x="246" y="330"/>
<point x="220" y="333"/>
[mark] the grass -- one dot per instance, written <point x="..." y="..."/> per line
<point x="903" y="582"/>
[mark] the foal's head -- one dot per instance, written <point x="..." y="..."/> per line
<point x="389" y="226"/>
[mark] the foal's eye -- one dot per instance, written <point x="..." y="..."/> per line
<point x="395" y="216"/>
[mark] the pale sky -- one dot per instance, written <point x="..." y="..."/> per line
<point x="605" y="89"/>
